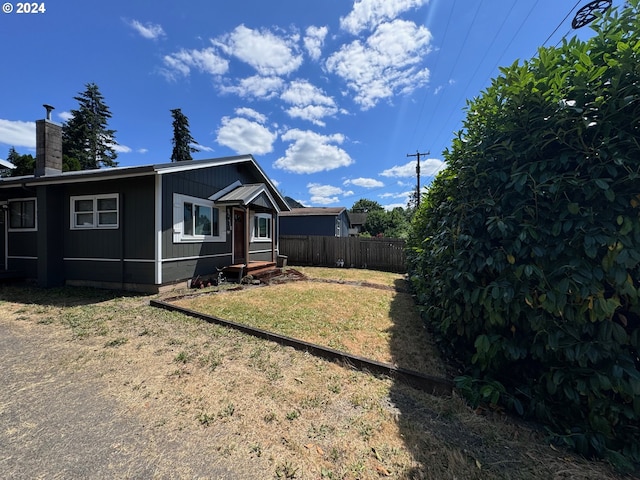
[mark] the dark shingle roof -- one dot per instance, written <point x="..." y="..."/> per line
<point x="314" y="211"/>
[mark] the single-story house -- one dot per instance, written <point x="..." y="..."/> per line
<point x="327" y="221"/>
<point x="135" y="228"/>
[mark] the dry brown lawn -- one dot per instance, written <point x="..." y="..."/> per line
<point x="377" y="323"/>
<point x="267" y="411"/>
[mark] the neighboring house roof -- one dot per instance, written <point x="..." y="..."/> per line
<point x="357" y="218"/>
<point x="159" y="169"/>
<point x="5" y="164"/>
<point x="314" y="211"/>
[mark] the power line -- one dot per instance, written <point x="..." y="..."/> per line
<point x="509" y="43"/>
<point x="464" y="43"/>
<point x="560" y="24"/>
<point x="435" y="66"/>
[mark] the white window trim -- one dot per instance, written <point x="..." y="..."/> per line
<point x="94" y="225"/>
<point x="254" y="237"/>
<point x="178" y="217"/>
<point x="35" y="213"/>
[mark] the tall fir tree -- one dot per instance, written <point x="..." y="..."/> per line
<point x="85" y="137"/>
<point x="182" y="140"/>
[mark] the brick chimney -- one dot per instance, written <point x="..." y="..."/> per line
<point x="48" y="146"/>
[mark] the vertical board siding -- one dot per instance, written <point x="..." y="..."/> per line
<point x="375" y="253"/>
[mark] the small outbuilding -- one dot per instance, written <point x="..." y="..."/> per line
<point x="325" y="221"/>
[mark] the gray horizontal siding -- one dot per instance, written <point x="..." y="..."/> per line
<point x="177" y="270"/>
<point x="120" y="271"/>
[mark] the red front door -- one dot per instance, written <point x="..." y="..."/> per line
<point x="239" y="249"/>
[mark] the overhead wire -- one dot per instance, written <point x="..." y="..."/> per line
<point x="560" y="24"/>
<point x="486" y="52"/>
<point x="431" y="115"/>
<point x="448" y="77"/>
<point x="435" y="66"/>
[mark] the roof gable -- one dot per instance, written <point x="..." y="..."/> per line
<point x="257" y="194"/>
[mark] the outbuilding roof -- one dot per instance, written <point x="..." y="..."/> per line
<point x="314" y="211"/>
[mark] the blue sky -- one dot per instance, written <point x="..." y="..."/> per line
<point x="329" y="96"/>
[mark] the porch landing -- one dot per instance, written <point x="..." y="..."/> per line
<point x="255" y="269"/>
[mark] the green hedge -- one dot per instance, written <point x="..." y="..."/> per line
<point x="525" y="252"/>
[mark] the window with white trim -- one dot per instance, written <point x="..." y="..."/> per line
<point x="195" y="220"/>
<point x="262" y="227"/>
<point x="94" y="211"/>
<point x="22" y="214"/>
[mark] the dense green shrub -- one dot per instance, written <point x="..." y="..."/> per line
<point x="525" y="252"/>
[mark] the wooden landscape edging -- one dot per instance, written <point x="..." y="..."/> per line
<point x="433" y="385"/>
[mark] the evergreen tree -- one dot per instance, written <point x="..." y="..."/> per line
<point x="182" y="139"/>
<point x="85" y="137"/>
<point x="25" y="164"/>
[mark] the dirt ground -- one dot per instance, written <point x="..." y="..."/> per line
<point x="61" y="423"/>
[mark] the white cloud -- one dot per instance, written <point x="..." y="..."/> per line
<point x="121" y="148"/>
<point x="364" y="182"/>
<point x="386" y="64"/>
<point x="142" y="150"/>
<point x="268" y="53"/>
<point x="367" y="14"/>
<point x="310" y="152"/>
<point x="205" y="60"/>
<point x="397" y="195"/>
<point x="264" y="88"/>
<point x="439" y="88"/>
<point x="309" y="102"/>
<point x="149" y="30"/>
<point x="392" y="206"/>
<point x="201" y="148"/>
<point x="252" y="114"/>
<point x="404" y="198"/>
<point x="65" y="116"/>
<point x="428" y="168"/>
<point x="245" y="136"/>
<point x="326" y="194"/>
<point x="17" y="133"/>
<point x="314" y="41"/>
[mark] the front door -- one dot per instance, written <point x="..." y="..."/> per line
<point x="239" y="248"/>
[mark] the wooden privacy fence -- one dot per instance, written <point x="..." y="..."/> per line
<point x="357" y="252"/>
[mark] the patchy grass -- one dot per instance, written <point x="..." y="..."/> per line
<point x="354" y="275"/>
<point x="383" y="325"/>
<point x="255" y="406"/>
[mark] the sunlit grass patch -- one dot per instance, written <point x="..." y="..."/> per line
<point x="382" y="325"/>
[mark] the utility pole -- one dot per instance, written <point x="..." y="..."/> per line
<point x="417" y="154"/>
